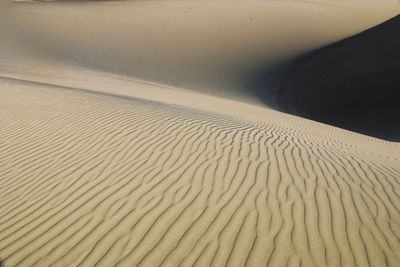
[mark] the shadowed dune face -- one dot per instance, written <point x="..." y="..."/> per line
<point x="353" y="84"/>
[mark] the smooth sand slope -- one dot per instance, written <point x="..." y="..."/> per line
<point x="103" y="162"/>
<point x="214" y="47"/>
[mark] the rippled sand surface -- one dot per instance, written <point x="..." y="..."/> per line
<point x="103" y="167"/>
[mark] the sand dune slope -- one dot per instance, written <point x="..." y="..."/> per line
<point x="89" y="179"/>
<point x="352" y="84"/>
<point x="215" y="47"/>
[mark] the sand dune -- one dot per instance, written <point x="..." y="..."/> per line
<point x="214" y="47"/>
<point x="355" y="82"/>
<point x="141" y="183"/>
<point x="132" y="140"/>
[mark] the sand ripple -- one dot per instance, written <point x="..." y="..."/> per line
<point x="88" y="179"/>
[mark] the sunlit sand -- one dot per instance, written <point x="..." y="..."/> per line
<point x="130" y="135"/>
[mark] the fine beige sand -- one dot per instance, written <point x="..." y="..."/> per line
<point x="90" y="179"/>
<point x="128" y="137"/>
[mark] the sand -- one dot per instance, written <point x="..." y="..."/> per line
<point x="214" y="47"/>
<point x="109" y="156"/>
<point x="355" y="80"/>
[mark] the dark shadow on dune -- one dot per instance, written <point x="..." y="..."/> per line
<point x="265" y="80"/>
<point x="353" y="84"/>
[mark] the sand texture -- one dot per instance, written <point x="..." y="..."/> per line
<point x="134" y="133"/>
<point x="140" y="183"/>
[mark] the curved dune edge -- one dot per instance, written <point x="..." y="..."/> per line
<point x="213" y="47"/>
<point x="353" y="84"/>
<point x="142" y="183"/>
